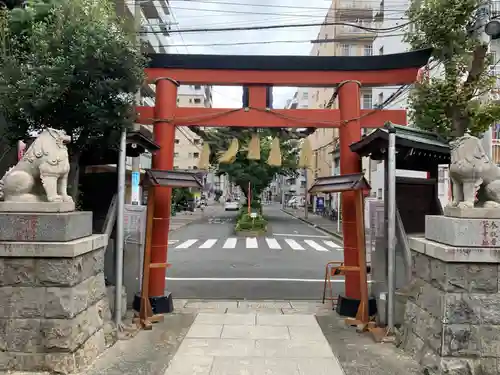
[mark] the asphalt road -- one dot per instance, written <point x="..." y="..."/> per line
<point x="210" y="261"/>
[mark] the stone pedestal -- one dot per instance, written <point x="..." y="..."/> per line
<point x="452" y="315"/>
<point x="54" y="312"/>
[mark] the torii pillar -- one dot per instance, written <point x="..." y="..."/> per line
<point x="350" y="111"/>
<point x="163" y="159"/>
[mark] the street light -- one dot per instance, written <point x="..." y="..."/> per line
<point x="492" y="29"/>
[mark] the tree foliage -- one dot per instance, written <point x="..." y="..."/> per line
<point x="449" y="102"/>
<point x="256" y="172"/>
<point x="68" y="65"/>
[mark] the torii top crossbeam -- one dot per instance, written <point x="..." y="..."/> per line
<point x="347" y="73"/>
<point x="260" y="71"/>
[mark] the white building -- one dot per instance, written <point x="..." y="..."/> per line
<point x="188" y="145"/>
<point x="155" y="25"/>
<point x="385" y="44"/>
<point x="300" y="99"/>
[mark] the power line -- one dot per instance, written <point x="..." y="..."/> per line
<point x="375" y="3"/>
<point x="253" y="13"/>
<point x="271" y="27"/>
<point x="314" y="41"/>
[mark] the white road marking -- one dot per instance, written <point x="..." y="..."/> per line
<point x="335" y="281"/>
<point x="171" y="242"/>
<point x="332" y="244"/>
<point x="252" y="243"/>
<point x="208" y="244"/>
<point x="186" y="244"/>
<point x="300" y="235"/>
<point x="294" y="244"/>
<point x="230" y="243"/>
<point x="273" y="244"/>
<point x="315" y="246"/>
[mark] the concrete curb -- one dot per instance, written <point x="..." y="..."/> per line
<point x="330" y="232"/>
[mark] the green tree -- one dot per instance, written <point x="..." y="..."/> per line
<point x="68" y="65"/>
<point x="256" y="172"/>
<point x="448" y="103"/>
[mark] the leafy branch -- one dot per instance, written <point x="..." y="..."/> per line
<point x="450" y="102"/>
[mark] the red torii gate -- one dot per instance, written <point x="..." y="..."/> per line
<point x="349" y="74"/>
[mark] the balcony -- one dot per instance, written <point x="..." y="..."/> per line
<point x="353" y="9"/>
<point x="355" y="33"/>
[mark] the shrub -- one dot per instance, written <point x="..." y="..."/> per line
<point x="255" y="206"/>
<point x="246" y="222"/>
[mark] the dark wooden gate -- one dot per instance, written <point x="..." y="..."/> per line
<point x="416" y="198"/>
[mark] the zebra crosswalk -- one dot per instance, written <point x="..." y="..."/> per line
<point x="257" y="243"/>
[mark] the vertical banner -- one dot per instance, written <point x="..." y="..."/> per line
<point x="136" y="197"/>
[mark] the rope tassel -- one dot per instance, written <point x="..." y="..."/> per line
<point x="204" y="163"/>
<point x="229" y="156"/>
<point x="274" y="159"/>
<point x="254" y="148"/>
<point x="306" y="155"/>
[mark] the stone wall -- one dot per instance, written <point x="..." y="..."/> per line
<point x="54" y="311"/>
<point x="452" y="315"/>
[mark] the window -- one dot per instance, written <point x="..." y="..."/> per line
<point x="302" y="184"/>
<point x="196" y="141"/>
<point x="190" y="155"/>
<point x="177" y="141"/>
<point x="176" y="154"/>
<point x="197" y="100"/>
<point x="345" y="49"/>
<point x="190" y="100"/>
<point x="195" y="167"/>
<point x="305" y="95"/>
<point x="196" y="155"/>
<point x="178" y="100"/>
<point x="381" y="50"/>
<point x="197" y="87"/>
<point x="368" y="50"/>
<point x="367" y="101"/>
<point x="176" y="167"/>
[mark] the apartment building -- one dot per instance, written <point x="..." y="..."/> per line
<point x="188" y="145"/>
<point x="155" y="25"/>
<point x="386" y="16"/>
<point x="341" y="40"/>
<point x="300" y="99"/>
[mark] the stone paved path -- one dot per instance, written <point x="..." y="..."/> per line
<point x="254" y="340"/>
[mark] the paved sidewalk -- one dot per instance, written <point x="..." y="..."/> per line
<point x="321" y="222"/>
<point x="184" y="218"/>
<point x="256" y="344"/>
<point x="253" y="338"/>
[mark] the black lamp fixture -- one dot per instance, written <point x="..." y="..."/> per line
<point x="492" y="29"/>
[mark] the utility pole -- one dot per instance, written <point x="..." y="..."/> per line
<point x="306" y="197"/>
<point x="483" y="16"/>
<point x="282" y="188"/>
<point x="135" y="191"/>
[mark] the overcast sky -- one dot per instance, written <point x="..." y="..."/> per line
<point x="241" y="13"/>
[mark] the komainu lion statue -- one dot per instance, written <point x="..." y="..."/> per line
<point x="42" y="173"/>
<point x="474" y="176"/>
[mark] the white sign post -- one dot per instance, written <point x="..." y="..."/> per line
<point x="136" y="194"/>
